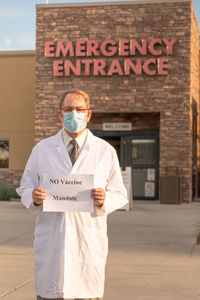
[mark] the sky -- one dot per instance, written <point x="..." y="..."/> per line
<point x="18" y="21"/>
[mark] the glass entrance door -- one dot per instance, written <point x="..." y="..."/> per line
<point x="141" y="153"/>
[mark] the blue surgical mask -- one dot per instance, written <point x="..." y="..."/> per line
<point x="74" y="121"/>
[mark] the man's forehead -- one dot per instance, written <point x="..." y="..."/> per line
<point x="74" y="97"/>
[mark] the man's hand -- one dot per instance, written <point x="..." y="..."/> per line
<point x="38" y="195"/>
<point x="99" y="196"/>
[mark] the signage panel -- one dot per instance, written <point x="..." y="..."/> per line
<point x="71" y="192"/>
<point x="127" y="179"/>
<point x="149" y="189"/>
<point x="117" y="126"/>
<point x="110" y="57"/>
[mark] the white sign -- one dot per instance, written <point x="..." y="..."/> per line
<point x="117" y="126"/>
<point x="127" y="179"/>
<point x="151" y="174"/>
<point x="149" y="189"/>
<point x="68" y="192"/>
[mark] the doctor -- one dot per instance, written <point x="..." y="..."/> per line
<point x="71" y="248"/>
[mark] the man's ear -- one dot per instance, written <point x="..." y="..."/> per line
<point x="60" y="115"/>
<point x="89" y="115"/>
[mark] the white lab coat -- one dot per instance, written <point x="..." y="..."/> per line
<point x="71" y="248"/>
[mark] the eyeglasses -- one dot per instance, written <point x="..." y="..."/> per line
<point x="78" y="109"/>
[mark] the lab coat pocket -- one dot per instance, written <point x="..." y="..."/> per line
<point x="42" y="243"/>
<point x="95" y="247"/>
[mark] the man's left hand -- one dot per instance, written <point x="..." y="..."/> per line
<point x="99" y="196"/>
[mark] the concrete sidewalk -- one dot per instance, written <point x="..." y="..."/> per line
<point x="153" y="253"/>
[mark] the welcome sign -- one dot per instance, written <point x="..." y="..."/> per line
<point x="94" y="58"/>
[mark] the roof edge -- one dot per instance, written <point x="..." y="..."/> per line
<point x="110" y="3"/>
<point x="17" y="53"/>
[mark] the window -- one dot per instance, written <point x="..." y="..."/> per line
<point x="143" y="151"/>
<point x="4" y="154"/>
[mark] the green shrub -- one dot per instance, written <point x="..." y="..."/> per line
<point x="4" y="191"/>
<point x="13" y="193"/>
<point x="7" y="192"/>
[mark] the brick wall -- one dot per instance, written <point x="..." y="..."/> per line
<point x="140" y="121"/>
<point x="11" y="177"/>
<point x="169" y="95"/>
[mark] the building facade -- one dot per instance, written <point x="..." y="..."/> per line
<point x="17" y="112"/>
<point x="139" y="62"/>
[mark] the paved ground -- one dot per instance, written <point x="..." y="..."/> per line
<point x="153" y="253"/>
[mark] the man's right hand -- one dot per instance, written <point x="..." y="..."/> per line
<point x="38" y="195"/>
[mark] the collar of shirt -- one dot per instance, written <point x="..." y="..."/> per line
<point x="67" y="139"/>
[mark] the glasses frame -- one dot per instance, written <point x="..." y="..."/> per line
<point x="70" y="109"/>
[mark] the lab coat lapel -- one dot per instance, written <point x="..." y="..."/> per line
<point x="80" y="162"/>
<point x="60" y="147"/>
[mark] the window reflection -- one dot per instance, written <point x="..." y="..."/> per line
<point x="143" y="151"/>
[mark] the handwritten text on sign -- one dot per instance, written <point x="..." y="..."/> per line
<point x="68" y="192"/>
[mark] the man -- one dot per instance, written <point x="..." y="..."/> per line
<point x="71" y="247"/>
